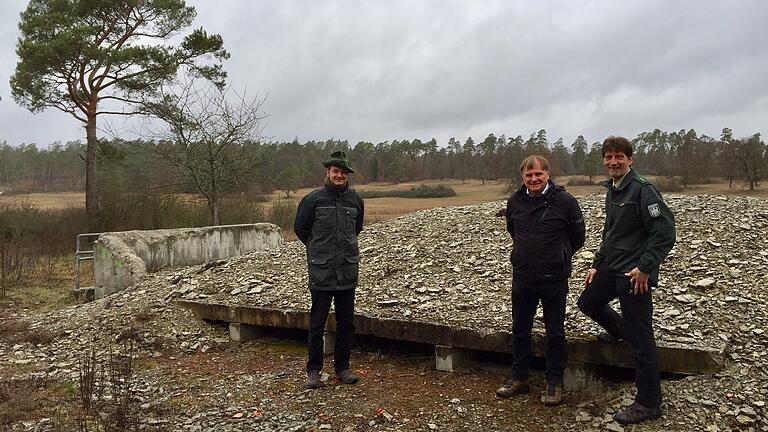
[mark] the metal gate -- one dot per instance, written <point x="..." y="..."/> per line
<point x="83" y="254"/>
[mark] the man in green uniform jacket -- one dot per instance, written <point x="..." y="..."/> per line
<point x="638" y="234"/>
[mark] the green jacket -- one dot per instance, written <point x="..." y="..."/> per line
<point x="639" y="228"/>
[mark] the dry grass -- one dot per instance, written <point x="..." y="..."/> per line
<point x="471" y="192"/>
<point x="379" y="209"/>
<point x="18" y="331"/>
<point x="49" y="286"/>
<point x="23" y="399"/>
<point x="49" y="200"/>
<point x="475" y="192"/>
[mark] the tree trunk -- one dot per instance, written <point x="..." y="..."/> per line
<point x="91" y="194"/>
<point x="216" y="211"/>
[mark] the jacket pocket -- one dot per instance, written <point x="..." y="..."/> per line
<point x="349" y="271"/>
<point x="350" y="219"/>
<point x="324" y="219"/>
<point x="320" y="270"/>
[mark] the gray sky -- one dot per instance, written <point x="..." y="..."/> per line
<point x="383" y="70"/>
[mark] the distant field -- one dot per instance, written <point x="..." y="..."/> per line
<point x="48" y="199"/>
<point x="471" y="192"/>
<point x="377" y="209"/>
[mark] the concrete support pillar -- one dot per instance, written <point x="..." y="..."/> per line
<point x="448" y="358"/>
<point x="240" y="332"/>
<point x="329" y="342"/>
<point x="577" y="375"/>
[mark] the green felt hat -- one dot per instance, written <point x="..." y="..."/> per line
<point x="339" y="159"/>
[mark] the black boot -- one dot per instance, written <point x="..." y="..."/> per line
<point x="636" y="413"/>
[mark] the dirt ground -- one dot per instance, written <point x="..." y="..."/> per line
<point x="397" y="391"/>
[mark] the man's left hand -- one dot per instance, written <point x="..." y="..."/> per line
<point x="639" y="281"/>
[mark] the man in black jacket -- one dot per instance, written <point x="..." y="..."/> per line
<point x="328" y="221"/>
<point x="639" y="232"/>
<point x="547" y="227"/>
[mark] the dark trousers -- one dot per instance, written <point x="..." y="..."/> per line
<point x="525" y="300"/>
<point x="634" y="325"/>
<point x="344" y="307"/>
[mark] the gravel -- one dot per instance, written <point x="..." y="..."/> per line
<point x="451" y="266"/>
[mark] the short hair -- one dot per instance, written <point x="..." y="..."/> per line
<point x="531" y="161"/>
<point x="617" y="144"/>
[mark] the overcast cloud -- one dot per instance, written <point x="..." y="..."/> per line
<point x="382" y="70"/>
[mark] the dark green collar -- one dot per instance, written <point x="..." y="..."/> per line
<point x="628" y="177"/>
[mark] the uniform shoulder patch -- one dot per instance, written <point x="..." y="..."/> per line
<point x="642" y="180"/>
<point x="654" y="210"/>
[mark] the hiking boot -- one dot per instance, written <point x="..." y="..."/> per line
<point x="313" y="380"/>
<point x="636" y="413"/>
<point x="347" y="377"/>
<point x="554" y="395"/>
<point x="606" y="337"/>
<point x="513" y="387"/>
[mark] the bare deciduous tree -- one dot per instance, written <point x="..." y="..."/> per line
<point x="752" y="158"/>
<point x="205" y="136"/>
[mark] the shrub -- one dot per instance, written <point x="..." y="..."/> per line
<point x="238" y="211"/>
<point x="579" y="181"/>
<point x="18" y="331"/>
<point x="23" y="399"/>
<point x="283" y="213"/>
<point x="422" y="191"/>
<point x="669" y="184"/>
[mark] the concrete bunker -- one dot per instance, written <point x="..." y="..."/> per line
<point x="454" y="346"/>
<point x="121" y="258"/>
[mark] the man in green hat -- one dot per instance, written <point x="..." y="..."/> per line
<point x="328" y="221"/>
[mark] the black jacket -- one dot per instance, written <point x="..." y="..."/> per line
<point x="328" y="221"/>
<point x="546" y="231"/>
<point x="639" y="228"/>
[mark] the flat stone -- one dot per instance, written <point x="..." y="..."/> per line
<point x="388" y="303"/>
<point x="704" y="283"/>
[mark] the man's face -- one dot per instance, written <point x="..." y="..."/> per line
<point x="617" y="163"/>
<point x="535" y="179"/>
<point x="338" y="176"/>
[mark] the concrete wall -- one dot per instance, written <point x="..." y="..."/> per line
<point x="121" y="258"/>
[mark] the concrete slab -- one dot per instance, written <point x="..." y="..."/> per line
<point x="674" y="357"/>
<point x="84" y="294"/>
<point x="577" y="375"/>
<point x="240" y="332"/>
<point x="329" y="342"/>
<point x="448" y="358"/>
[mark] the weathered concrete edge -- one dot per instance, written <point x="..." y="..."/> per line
<point x="673" y="357"/>
<point x="122" y="258"/>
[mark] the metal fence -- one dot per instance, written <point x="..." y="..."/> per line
<point x="83" y="254"/>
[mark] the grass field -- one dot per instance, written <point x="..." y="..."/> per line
<point x="48" y="200"/>
<point x="377" y="209"/>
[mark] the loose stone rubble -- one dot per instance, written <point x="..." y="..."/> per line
<point x="450" y="265"/>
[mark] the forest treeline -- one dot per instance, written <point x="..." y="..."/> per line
<point x="263" y="166"/>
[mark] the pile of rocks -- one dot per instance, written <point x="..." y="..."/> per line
<point x="451" y="266"/>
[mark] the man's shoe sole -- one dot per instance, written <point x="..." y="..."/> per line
<point x="352" y="381"/>
<point x="505" y="395"/>
<point x="650" y="417"/>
